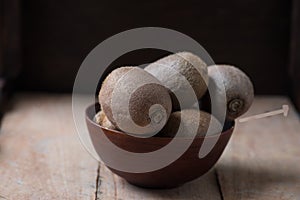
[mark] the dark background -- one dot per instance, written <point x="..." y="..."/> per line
<point x="44" y="42"/>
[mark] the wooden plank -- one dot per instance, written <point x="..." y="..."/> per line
<point x="114" y="187"/>
<point x="40" y="154"/>
<point x="262" y="159"/>
<point x="41" y="158"/>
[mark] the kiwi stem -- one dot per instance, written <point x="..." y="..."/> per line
<point x="156" y="117"/>
<point x="235" y="106"/>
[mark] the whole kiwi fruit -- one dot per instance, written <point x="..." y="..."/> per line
<point x="192" y="120"/>
<point x="135" y="101"/>
<point x="238" y="90"/>
<point x="184" y="74"/>
<point x="102" y="120"/>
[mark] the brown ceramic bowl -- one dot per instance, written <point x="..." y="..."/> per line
<point x="187" y="168"/>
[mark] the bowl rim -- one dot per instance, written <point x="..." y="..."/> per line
<point x="117" y="132"/>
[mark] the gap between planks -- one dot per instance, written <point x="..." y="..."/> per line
<point x="112" y="187"/>
<point x="219" y="184"/>
<point x="98" y="182"/>
<point x="21" y="160"/>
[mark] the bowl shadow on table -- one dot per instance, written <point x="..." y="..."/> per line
<point x="202" y="188"/>
<point x="240" y="179"/>
<point x="249" y="179"/>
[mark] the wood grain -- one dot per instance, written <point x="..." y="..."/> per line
<point x="40" y="154"/>
<point x="262" y="158"/>
<point x="114" y="187"/>
<point x="41" y="158"/>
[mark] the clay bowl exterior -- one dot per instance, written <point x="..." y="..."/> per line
<point x="187" y="168"/>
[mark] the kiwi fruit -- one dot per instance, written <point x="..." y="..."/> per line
<point x="135" y="101"/>
<point x="107" y="88"/>
<point x="184" y="74"/>
<point x="191" y="120"/>
<point x="238" y="89"/>
<point x="102" y="120"/>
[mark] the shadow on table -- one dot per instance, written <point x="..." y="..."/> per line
<point x="205" y="187"/>
<point x="232" y="179"/>
<point x="255" y="180"/>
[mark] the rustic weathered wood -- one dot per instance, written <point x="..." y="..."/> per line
<point x="262" y="159"/>
<point x="40" y="154"/>
<point x="253" y="166"/>
<point x="41" y="158"/>
<point x="114" y="187"/>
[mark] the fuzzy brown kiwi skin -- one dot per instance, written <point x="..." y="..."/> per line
<point x="172" y="126"/>
<point x="143" y="98"/>
<point x="188" y="65"/>
<point x="199" y="84"/>
<point x="107" y="88"/>
<point x="149" y="104"/>
<point x="238" y="87"/>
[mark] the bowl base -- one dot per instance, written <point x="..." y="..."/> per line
<point x="156" y="187"/>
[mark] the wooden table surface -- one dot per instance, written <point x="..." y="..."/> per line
<point x="41" y="158"/>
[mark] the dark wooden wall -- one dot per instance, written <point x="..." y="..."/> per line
<point x="294" y="64"/>
<point x="57" y="35"/>
<point x="254" y="35"/>
<point x="10" y="48"/>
